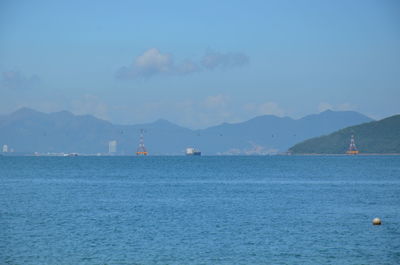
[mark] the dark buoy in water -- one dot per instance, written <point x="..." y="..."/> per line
<point x="376" y="221"/>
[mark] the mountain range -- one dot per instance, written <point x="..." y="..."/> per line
<point x="27" y="130"/>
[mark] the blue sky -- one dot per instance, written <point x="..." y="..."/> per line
<point x="200" y="63"/>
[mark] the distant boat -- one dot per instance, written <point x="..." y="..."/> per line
<point x="192" y="152"/>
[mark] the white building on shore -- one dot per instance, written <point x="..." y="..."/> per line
<point x="5" y="148"/>
<point x="112" y="147"/>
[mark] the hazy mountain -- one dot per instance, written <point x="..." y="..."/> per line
<point x="266" y="134"/>
<point x="373" y="137"/>
<point x="27" y="130"/>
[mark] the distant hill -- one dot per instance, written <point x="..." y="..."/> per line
<point x="27" y="130"/>
<point x="269" y="134"/>
<point x="381" y="137"/>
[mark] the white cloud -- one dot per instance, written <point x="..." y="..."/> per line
<point x="340" y="107"/>
<point x="214" y="59"/>
<point x="217" y="101"/>
<point x="345" y="106"/>
<point x="17" y="80"/>
<point x="153" y="62"/>
<point x="266" y="108"/>
<point x="324" y="106"/>
<point x="90" y="104"/>
<point x="187" y="67"/>
<point x="271" y="108"/>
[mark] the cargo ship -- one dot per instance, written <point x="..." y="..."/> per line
<point x="192" y="152"/>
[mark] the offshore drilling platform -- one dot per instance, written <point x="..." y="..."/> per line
<point x="352" y="148"/>
<point x="141" y="150"/>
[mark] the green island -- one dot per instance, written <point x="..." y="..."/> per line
<point x="377" y="137"/>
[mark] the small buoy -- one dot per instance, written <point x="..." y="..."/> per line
<point x="376" y="221"/>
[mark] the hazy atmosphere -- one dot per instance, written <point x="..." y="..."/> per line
<point x="200" y="63"/>
<point x="200" y="132"/>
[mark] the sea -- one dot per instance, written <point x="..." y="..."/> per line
<point x="200" y="210"/>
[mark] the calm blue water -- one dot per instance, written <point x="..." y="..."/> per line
<point x="199" y="210"/>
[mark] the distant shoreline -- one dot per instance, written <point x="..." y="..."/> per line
<point x="160" y="155"/>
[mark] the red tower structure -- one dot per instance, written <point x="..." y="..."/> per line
<point x="352" y="148"/>
<point x="141" y="150"/>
